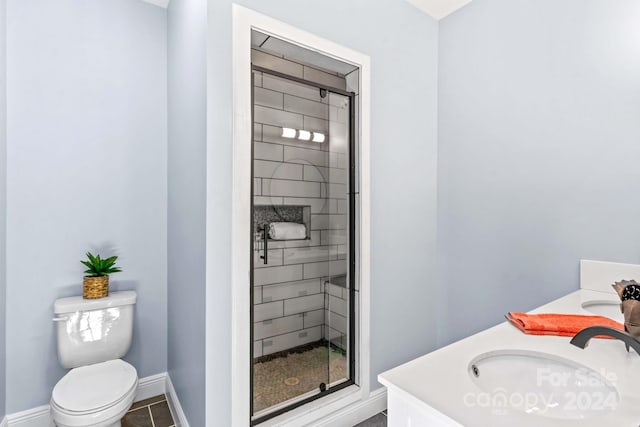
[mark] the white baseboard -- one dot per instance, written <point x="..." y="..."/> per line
<point x="40" y="416"/>
<point x="151" y="386"/>
<point x="34" y="417"/>
<point x="358" y="411"/>
<point x="177" y="413"/>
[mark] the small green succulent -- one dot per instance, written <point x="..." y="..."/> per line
<point x="100" y="267"/>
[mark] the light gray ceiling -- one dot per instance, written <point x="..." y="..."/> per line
<point x="438" y="9"/>
<point x="162" y="3"/>
<point x="299" y="54"/>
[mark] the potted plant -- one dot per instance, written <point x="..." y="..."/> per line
<point x="96" y="283"/>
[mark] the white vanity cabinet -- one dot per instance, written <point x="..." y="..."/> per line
<point x="405" y="411"/>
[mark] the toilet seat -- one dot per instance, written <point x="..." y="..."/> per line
<point x="94" y="394"/>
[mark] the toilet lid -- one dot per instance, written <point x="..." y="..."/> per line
<point x="95" y="386"/>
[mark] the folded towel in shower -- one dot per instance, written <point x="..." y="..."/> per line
<point x="566" y="325"/>
<point x="287" y="231"/>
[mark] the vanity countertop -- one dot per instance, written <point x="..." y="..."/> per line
<point x="439" y="381"/>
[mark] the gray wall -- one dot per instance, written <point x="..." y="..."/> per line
<point x="3" y="200"/>
<point x="539" y="136"/>
<point x="86" y="169"/>
<point x="186" y="209"/>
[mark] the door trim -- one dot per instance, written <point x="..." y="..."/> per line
<point x="243" y="21"/>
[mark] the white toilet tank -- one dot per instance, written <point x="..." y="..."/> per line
<point x="94" y="330"/>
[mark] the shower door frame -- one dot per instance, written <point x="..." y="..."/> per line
<point x="352" y="252"/>
<point x="338" y="405"/>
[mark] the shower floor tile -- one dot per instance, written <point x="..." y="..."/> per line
<point x="289" y="376"/>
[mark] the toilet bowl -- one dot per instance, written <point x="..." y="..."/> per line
<point x="97" y="395"/>
<point x="93" y="335"/>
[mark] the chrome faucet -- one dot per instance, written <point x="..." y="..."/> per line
<point x="581" y="339"/>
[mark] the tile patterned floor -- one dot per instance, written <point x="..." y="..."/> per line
<point x="283" y="378"/>
<point x="152" y="412"/>
<point x="378" y="420"/>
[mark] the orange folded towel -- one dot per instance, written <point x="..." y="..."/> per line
<point x="566" y="325"/>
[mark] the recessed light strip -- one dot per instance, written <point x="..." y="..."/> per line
<point x="303" y="135"/>
<point x="288" y="133"/>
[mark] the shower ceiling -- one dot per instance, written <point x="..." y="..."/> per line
<point x="299" y="54"/>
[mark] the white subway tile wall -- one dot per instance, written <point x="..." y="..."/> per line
<point x="268" y="200"/>
<point x="317" y="205"/>
<point x="257" y="79"/>
<point x="303" y="304"/>
<point x="291" y="340"/>
<point x="315" y="124"/>
<point x="291" y="88"/>
<point x="336" y="314"/>
<point x="257" y="295"/>
<point x="280" y="187"/>
<point x="316" y="269"/>
<point x="304" y="106"/>
<point x="314" y="318"/>
<point x="291" y="301"/>
<point x="270" y="169"/>
<point x="291" y="290"/>
<point x="257" y="348"/>
<point x="274" y="117"/>
<point x="268" y="98"/>
<point x="274" y="258"/>
<point x="271" y="275"/>
<point x="271" y="327"/>
<point x="268" y="151"/>
<point x="277" y="64"/>
<point x="324" y="78"/>
<point x="306" y="255"/>
<point x="306" y="156"/>
<point x="267" y="311"/>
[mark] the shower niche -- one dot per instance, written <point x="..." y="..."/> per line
<point x="304" y="203"/>
<point x="264" y="215"/>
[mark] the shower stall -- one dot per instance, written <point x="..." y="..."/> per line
<point x="303" y="227"/>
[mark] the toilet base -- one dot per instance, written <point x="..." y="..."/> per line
<point x="113" y="424"/>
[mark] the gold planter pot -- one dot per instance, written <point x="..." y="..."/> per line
<point x="95" y="287"/>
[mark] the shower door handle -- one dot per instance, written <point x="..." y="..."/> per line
<point x="265" y="239"/>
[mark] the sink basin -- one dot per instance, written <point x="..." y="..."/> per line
<point x="610" y="309"/>
<point x="540" y="384"/>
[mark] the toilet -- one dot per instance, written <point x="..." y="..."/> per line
<point x="92" y="335"/>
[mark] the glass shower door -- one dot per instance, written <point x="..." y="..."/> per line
<point x="337" y="237"/>
<point x="300" y="245"/>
